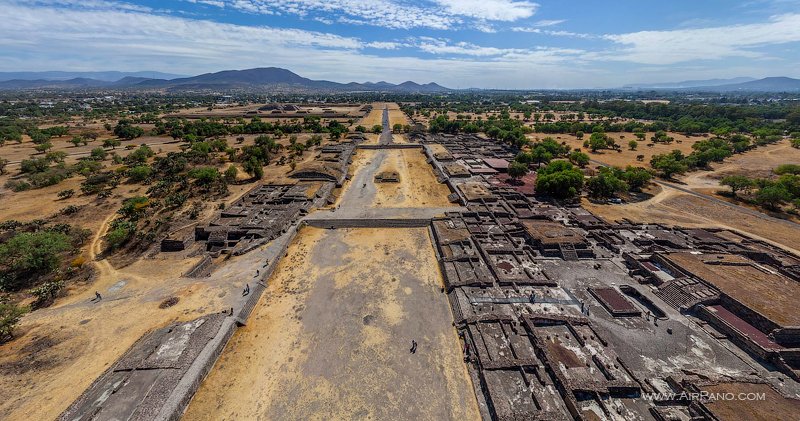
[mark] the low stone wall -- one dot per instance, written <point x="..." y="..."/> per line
<point x="201" y="268"/>
<point x="182" y="394"/>
<point x="368" y="223"/>
<point x="261" y="285"/>
<point x="391" y="146"/>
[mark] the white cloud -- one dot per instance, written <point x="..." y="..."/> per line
<point x="551" y="22"/>
<point x="445" y="47"/>
<point x="555" y="33"/>
<point x="217" y="3"/>
<point x="385" y="45"/>
<point x="397" y="14"/>
<point x="681" y="45"/>
<point x="497" y="10"/>
<point x="89" y="4"/>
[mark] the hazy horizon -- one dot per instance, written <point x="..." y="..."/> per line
<point x="493" y="44"/>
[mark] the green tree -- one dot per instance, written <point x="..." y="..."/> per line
<point x="632" y="145"/>
<point x="559" y="179"/>
<point x="636" y="177"/>
<point x="517" y="170"/>
<point x="541" y="155"/>
<point x="111" y="143"/>
<point x="737" y="183"/>
<point x="205" y="175"/>
<point x="231" y="173"/>
<point x="772" y="196"/>
<point x="669" y="164"/>
<point x="579" y="158"/>
<point x="597" y="141"/>
<point x="253" y="167"/>
<point x="28" y="255"/>
<point x="119" y="236"/>
<point x="98" y="154"/>
<point x="43" y="147"/>
<point x="125" y="130"/>
<point x="605" y="185"/>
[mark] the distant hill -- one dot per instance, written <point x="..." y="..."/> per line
<point x="110" y="76"/>
<point x="274" y="77"/>
<point x="260" y="78"/>
<point x="769" y="84"/>
<point x="690" y="83"/>
<point x="76" y="83"/>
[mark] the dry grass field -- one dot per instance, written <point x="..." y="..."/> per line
<point x="626" y="156"/>
<point x="396" y="116"/>
<point x="375" y="117"/>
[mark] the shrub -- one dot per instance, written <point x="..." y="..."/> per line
<point x="34" y="165"/>
<point x="95" y="183"/>
<point x="140" y="155"/>
<point x="517" y="169"/>
<point x="18" y="185"/>
<point x="10" y="316"/>
<point x="787" y="169"/>
<point x="66" y="194"/>
<point x="205" y="175"/>
<point x="140" y="173"/>
<point x="69" y="210"/>
<point x="78" y="262"/>
<point x="119" y="236"/>
<point x="50" y="177"/>
<point x="231" y="173"/>
<point x="133" y="207"/>
<point x="99" y="154"/>
<point x="46" y="293"/>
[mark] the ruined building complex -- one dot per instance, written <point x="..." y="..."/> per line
<point x="565" y="316"/>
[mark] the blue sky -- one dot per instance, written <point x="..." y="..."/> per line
<point x="511" y="44"/>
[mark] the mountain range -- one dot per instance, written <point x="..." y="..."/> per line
<point x="260" y="78"/>
<point x="110" y="76"/>
<point x="690" y="83"/>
